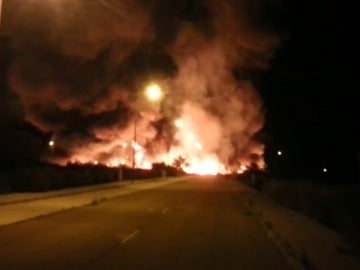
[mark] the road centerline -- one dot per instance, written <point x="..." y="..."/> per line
<point x="130" y="236"/>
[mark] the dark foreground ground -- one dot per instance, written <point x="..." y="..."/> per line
<point x="195" y="224"/>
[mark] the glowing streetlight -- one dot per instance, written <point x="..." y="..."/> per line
<point x="279" y="153"/>
<point x="179" y="123"/>
<point x="325" y="170"/>
<point x="52" y="146"/>
<point x="153" y="92"/>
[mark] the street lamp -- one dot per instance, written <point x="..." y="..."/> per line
<point x="52" y="146"/>
<point x="0" y="12"/>
<point x="179" y="123"/>
<point x="154" y="93"/>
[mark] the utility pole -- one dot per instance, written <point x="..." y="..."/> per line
<point x="134" y="142"/>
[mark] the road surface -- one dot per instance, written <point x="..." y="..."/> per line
<point x="198" y="223"/>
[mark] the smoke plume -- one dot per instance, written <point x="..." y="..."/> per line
<point x="80" y="68"/>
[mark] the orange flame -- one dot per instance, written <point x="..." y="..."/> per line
<point x="193" y="143"/>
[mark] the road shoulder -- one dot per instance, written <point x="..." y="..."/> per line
<point x="309" y="243"/>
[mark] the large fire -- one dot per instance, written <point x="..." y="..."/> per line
<point x="193" y="147"/>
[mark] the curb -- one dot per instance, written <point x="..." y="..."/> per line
<point x="275" y="237"/>
<point x="63" y="192"/>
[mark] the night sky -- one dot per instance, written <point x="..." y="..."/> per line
<point x="300" y="57"/>
<point x="310" y="94"/>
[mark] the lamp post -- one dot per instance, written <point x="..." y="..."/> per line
<point x="0" y="12"/>
<point x="153" y="93"/>
<point x="52" y="145"/>
<point x="134" y="141"/>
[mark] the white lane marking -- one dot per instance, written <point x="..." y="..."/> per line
<point x="165" y="210"/>
<point x="127" y="238"/>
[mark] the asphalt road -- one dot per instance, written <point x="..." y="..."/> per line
<point x="194" y="224"/>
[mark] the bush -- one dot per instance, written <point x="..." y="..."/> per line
<point x="49" y="177"/>
<point x="43" y="177"/>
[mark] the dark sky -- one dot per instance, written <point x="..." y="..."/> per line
<point x="310" y="93"/>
